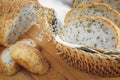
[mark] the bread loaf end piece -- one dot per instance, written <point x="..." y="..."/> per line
<point x="13" y="24"/>
<point x="30" y="58"/>
<point x="8" y="65"/>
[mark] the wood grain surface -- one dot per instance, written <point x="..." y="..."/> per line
<point x="59" y="70"/>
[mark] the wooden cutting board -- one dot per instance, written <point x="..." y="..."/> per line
<point x="59" y="70"/>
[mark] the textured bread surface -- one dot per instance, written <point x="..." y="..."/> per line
<point x="47" y="16"/>
<point x="115" y="4"/>
<point x="94" y="10"/>
<point x="7" y="6"/>
<point x="30" y="58"/>
<point x="8" y="65"/>
<point x="95" y="32"/>
<point x="15" y="22"/>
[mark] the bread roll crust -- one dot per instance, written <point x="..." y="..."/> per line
<point x="7" y="65"/>
<point x="30" y="58"/>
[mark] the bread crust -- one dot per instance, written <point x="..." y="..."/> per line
<point x="30" y="58"/>
<point x="114" y="27"/>
<point x="15" y="5"/>
<point x="5" y="22"/>
<point x="75" y="4"/>
<point x="102" y="5"/>
<point x="9" y="12"/>
<point x="8" y="69"/>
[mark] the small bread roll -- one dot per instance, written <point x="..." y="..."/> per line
<point x="7" y="65"/>
<point x="30" y="58"/>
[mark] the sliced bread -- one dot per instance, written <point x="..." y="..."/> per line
<point x="115" y="4"/>
<point x="95" y="9"/>
<point x="30" y="58"/>
<point x="15" y="23"/>
<point x="8" y="65"/>
<point x="95" y="32"/>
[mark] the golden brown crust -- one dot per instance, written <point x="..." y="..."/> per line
<point x="28" y="39"/>
<point x="75" y="1"/>
<point x="91" y="1"/>
<point x="47" y="15"/>
<point x="15" y="5"/>
<point x="112" y="25"/>
<point x="8" y="13"/>
<point x="7" y="69"/>
<point x="30" y="58"/>
<point x="5" y="22"/>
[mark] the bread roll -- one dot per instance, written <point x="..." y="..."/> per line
<point x="7" y="65"/>
<point x="30" y="58"/>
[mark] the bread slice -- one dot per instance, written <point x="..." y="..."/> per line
<point x="77" y="3"/>
<point x="8" y="65"/>
<point x="95" y="32"/>
<point x="15" y="23"/>
<point x="30" y="58"/>
<point x="115" y="4"/>
<point x="95" y="9"/>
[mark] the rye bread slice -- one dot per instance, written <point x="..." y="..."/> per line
<point x="115" y="4"/>
<point x="95" y="32"/>
<point x="95" y="9"/>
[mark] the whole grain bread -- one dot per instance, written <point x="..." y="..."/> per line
<point x="30" y="58"/>
<point x="95" y="9"/>
<point x="17" y="17"/>
<point x="115" y="4"/>
<point x="95" y="32"/>
<point x="7" y="65"/>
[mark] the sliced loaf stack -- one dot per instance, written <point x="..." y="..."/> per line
<point x="94" y="25"/>
<point x="95" y="9"/>
<point x="115" y="4"/>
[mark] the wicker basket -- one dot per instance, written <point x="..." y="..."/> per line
<point x="96" y="64"/>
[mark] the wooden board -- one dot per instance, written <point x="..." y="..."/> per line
<point x="59" y="70"/>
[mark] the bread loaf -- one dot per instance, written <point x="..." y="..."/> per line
<point x="95" y="32"/>
<point x="47" y="16"/>
<point x="7" y="6"/>
<point x="17" y="19"/>
<point x="115" y="4"/>
<point x="8" y="65"/>
<point x="95" y="9"/>
<point x="30" y="58"/>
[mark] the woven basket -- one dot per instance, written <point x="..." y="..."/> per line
<point x="96" y="64"/>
